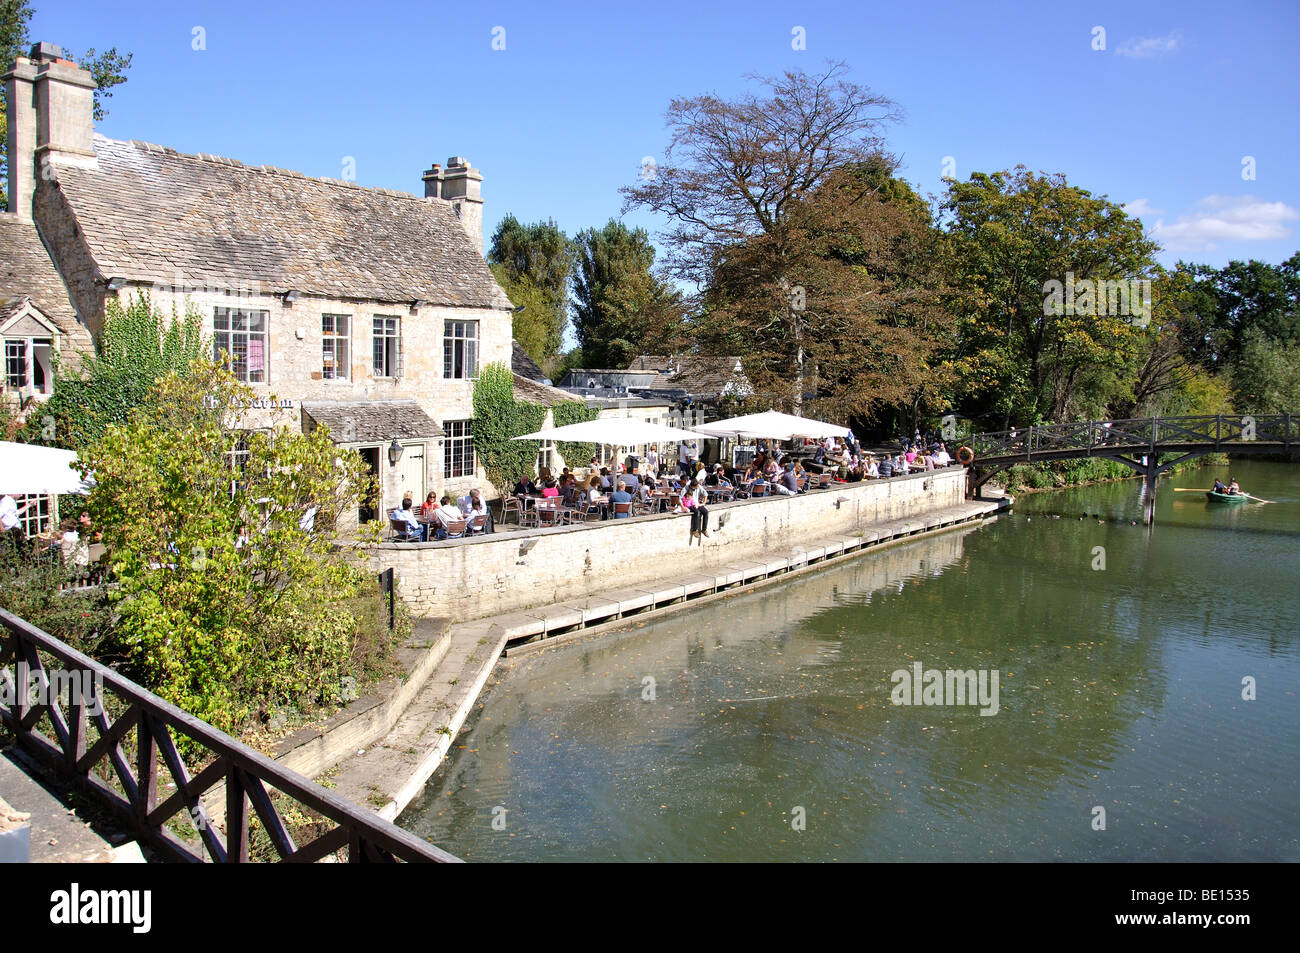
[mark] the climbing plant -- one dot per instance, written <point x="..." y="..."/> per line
<point x="137" y="346"/>
<point x="574" y="412"/>
<point x="498" y="419"/>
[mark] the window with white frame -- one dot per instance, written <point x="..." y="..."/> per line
<point x="38" y="514"/>
<point x="335" y="349"/>
<point x="458" y="451"/>
<point x="387" y="346"/>
<point x="237" y="461"/>
<point x="242" y="335"/>
<point x="460" y="349"/>
<point x="29" y="363"/>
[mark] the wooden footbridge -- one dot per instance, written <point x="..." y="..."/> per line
<point x="1150" y="446"/>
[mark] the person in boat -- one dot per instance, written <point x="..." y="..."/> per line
<point x="1233" y="488"/>
<point x="1219" y="487"/>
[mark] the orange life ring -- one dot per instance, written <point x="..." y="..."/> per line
<point x="965" y="456"/>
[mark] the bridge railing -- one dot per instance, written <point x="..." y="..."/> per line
<point x="1223" y="431"/>
<point x="67" y="726"/>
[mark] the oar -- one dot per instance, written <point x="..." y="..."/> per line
<point x="1257" y="499"/>
<point x="1191" y="489"/>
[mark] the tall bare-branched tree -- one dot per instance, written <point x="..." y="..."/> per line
<point x="734" y="176"/>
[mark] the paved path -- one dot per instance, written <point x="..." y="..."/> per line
<point x="59" y="833"/>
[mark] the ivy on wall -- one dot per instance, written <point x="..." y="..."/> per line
<point x="574" y="412"/>
<point x="498" y="419"/>
<point x="138" y="346"/>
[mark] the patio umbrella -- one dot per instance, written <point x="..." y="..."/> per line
<point x="27" y="468"/>
<point x="771" y="425"/>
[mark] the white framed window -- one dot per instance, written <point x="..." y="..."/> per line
<point x="29" y="363"/>
<point x="336" y="350"/>
<point x="460" y="349"/>
<point x="237" y="461"/>
<point x="458" y="450"/>
<point x="38" y="515"/>
<point x="387" y="346"/>
<point x="242" y="335"/>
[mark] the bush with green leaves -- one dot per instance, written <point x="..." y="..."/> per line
<point x="137" y="346"/>
<point x="232" y="601"/>
<point x="498" y="419"/>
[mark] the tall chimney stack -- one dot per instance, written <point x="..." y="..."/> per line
<point x="461" y="185"/>
<point x="51" y="118"/>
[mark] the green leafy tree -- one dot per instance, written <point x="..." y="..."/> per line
<point x="1266" y="378"/>
<point x="533" y="263"/>
<point x="620" y="309"/>
<point x="231" y="598"/>
<point x="1009" y="234"/>
<point x="137" y="346"/>
<point x="107" y="68"/>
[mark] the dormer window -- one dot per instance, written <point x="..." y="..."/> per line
<point x="29" y="343"/>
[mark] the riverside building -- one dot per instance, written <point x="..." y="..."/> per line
<point x="365" y="310"/>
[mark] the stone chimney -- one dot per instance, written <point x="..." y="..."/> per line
<point x="51" y="119"/>
<point x="459" y="184"/>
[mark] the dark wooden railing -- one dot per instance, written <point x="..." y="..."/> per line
<point x="83" y="737"/>
<point x="1264" y="433"/>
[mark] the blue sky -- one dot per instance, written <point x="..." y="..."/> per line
<point x="1161" y="119"/>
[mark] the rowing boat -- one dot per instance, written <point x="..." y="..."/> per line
<point x="1226" y="497"/>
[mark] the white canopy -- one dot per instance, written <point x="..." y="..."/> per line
<point x="27" y="468"/>
<point x="615" y="431"/>
<point x="772" y="425"/>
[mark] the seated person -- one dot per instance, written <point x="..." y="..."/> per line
<point x="570" y="492"/>
<point x="788" y="483"/>
<point x="444" y="516"/>
<point x="643" y="492"/>
<point x="886" y="468"/>
<point x="1233" y="488"/>
<point x="872" y="470"/>
<point x="473" y="504"/>
<point x="428" y="506"/>
<point x="606" y="482"/>
<point x="594" y="495"/>
<point x="941" y="457"/>
<point x="549" y="490"/>
<point x="403" y="514"/>
<point x="632" y="480"/>
<point x="620" y="495"/>
<point x="1219" y="486"/>
<point x="525" y="487"/>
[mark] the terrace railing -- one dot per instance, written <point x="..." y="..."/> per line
<point x="74" y="736"/>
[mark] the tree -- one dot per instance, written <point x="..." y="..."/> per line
<point x="108" y="69"/>
<point x="734" y="169"/>
<point x="620" y="309"/>
<point x="533" y="263"/>
<point x="231" y="597"/>
<point x="1266" y="379"/>
<point x="137" y="346"/>
<point x="1020" y="244"/>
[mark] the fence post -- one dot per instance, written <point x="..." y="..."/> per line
<point x="388" y="586"/>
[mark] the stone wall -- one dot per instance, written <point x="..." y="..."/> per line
<point x="504" y="572"/>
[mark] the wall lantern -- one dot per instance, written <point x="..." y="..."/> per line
<point x="116" y="284"/>
<point x="290" y="297"/>
<point x="395" y="450"/>
<point x="417" y="304"/>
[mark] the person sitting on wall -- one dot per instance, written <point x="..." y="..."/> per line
<point x="620" y="495"/>
<point x="444" y="516"/>
<point x="404" y="514"/>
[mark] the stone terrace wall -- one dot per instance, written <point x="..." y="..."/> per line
<point x="470" y="579"/>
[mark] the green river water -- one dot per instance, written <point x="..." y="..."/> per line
<point x="771" y="734"/>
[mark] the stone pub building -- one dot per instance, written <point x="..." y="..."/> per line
<point x="365" y="310"/>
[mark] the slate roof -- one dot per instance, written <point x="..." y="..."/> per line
<point x="151" y="213"/>
<point x="703" y="376"/>
<point x="535" y="392"/>
<point x="26" y="271"/>
<point x="369" y="421"/>
<point x="523" y="365"/>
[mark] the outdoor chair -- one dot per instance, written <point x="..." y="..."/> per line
<point x="640" y="508"/>
<point x="512" y="504"/>
<point x="622" y="509"/>
<point x="824" y="481"/>
<point x="402" y="531"/>
<point x="757" y="490"/>
<point x="478" y="524"/>
<point x="456" y="529"/>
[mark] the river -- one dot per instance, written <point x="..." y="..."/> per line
<point x="761" y="726"/>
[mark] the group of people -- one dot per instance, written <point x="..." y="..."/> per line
<point x="1232" y="489"/>
<point x="437" y="515"/>
<point x="71" y="542"/>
